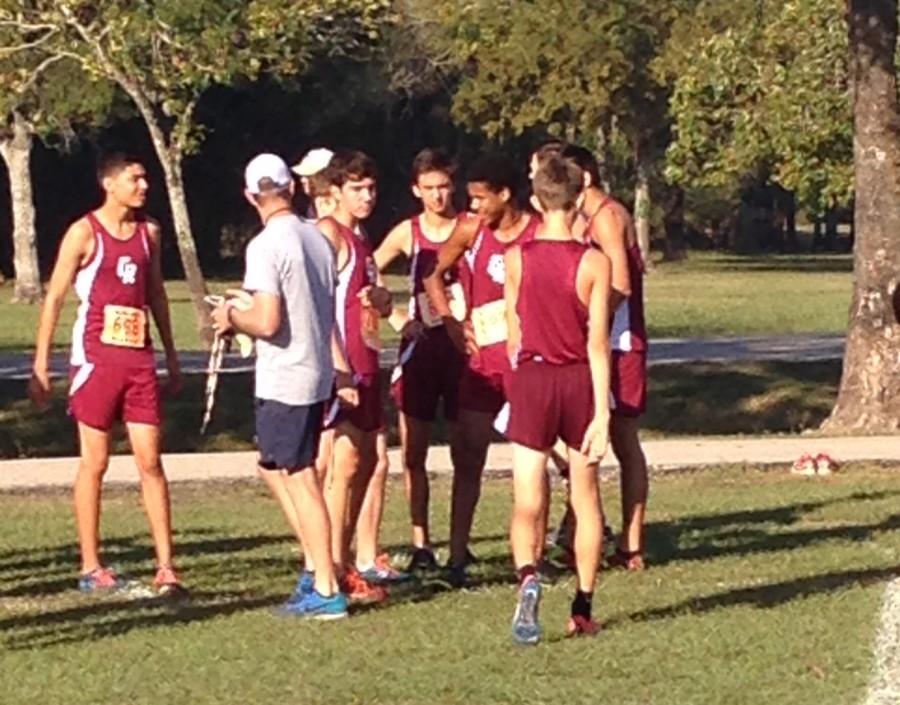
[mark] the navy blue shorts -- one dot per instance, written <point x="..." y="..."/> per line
<point x="287" y="436"/>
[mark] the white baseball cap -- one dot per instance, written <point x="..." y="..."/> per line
<point x="267" y="172"/>
<point x="313" y="162"/>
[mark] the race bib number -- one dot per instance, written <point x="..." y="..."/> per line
<point x="456" y="300"/>
<point x="489" y="323"/>
<point x="124" y="326"/>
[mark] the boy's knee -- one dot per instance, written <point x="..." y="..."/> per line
<point x="149" y="466"/>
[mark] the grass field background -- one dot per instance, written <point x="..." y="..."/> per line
<point x="700" y="399"/>
<point x="762" y="589"/>
<point x="706" y="295"/>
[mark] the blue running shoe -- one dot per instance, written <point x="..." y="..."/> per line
<point x="525" y="627"/>
<point x="306" y="583"/>
<point x="312" y="605"/>
<point x="100" y="580"/>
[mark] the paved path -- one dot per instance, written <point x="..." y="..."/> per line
<point x="662" y="351"/>
<point x="662" y="455"/>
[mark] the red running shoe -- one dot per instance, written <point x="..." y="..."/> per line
<point x="360" y="591"/>
<point x="582" y="626"/>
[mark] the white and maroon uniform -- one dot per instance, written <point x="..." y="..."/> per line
<point x="628" y="338"/>
<point x="113" y="368"/>
<point x="430" y="366"/>
<point x="551" y="394"/>
<point x="483" y="383"/>
<point x="358" y="328"/>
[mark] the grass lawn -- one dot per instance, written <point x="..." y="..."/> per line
<point x="763" y="589"/>
<point x="690" y="399"/>
<point x="707" y="295"/>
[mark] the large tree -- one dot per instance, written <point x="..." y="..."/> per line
<point x="164" y="54"/>
<point x="869" y="396"/>
<point x="44" y="96"/>
<point x="575" y="68"/>
<point x="761" y="88"/>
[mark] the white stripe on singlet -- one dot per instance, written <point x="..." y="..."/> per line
<point x="343" y="285"/>
<point x="84" y="285"/>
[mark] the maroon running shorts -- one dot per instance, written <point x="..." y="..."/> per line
<point x="549" y="402"/>
<point x="102" y="394"/>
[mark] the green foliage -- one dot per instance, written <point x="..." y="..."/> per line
<point x="51" y="92"/>
<point x="567" y="66"/>
<point x="762" y="88"/>
<point x="166" y="53"/>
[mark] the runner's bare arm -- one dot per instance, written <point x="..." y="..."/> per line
<point x="76" y="248"/>
<point x="449" y="254"/>
<point x="397" y="242"/>
<point x="610" y="230"/>
<point x="158" y="299"/>
<point x="598" y="348"/>
<point x="343" y="378"/>
<point x="513" y="262"/>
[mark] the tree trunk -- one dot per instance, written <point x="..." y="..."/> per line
<point x="16" y="152"/>
<point x="170" y="159"/>
<point x="186" y="247"/>
<point x="831" y="229"/>
<point x="674" y="246"/>
<point x="790" y="222"/>
<point x="642" y="211"/>
<point x="869" y="396"/>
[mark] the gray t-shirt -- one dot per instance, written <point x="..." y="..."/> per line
<point x="292" y="259"/>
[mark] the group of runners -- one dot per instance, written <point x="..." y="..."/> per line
<point x="523" y="320"/>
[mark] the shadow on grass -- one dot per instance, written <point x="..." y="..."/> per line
<point x="691" y="399"/>
<point x="745" y="398"/>
<point x="80" y="623"/>
<point x="127" y="552"/>
<point x="723" y="534"/>
<point x="762" y="596"/>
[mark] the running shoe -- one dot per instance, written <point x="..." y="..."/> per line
<point x="168" y="584"/>
<point x="360" y="591"/>
<point x="100" y="580"/>
<point x="632" y="561"/>
<point x="581" y="626"/>
<point x="306" y="583"/>
<point x="313" y="605"/>
<point x="457" y="575"/>
<point x="383" y="573"/>
<point x="422" y="560"/>
<point x="525" y="627"/>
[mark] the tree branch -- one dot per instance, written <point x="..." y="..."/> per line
<point x="10" y="51"/>
<point x="40" y="69"/>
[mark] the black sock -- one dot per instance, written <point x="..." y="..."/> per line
<point x="526" y="571"/>
<point x="581" y="605"/>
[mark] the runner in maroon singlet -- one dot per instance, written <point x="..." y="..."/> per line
<point x="430" y="365"/>
<point x="478" y="244"/>
<point x="609" y="226"/>
<point x="349" y="454"/>
<point x="112" y="256"/>
<point x="559" y="388"/>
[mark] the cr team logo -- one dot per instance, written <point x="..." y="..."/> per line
<point x="496" y="269"/>
<point x="126" y="270"/>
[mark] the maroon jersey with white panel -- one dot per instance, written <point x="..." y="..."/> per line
<point x="111" y="326"/>
<point x="487" y="276"/>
